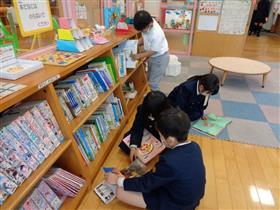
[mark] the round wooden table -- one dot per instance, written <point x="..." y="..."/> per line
<point x="239" y="66"/>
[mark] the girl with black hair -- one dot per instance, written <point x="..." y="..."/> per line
<point x="192" y="95"/>
<point x="154" y="103"/>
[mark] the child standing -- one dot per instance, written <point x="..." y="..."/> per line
<point x="173" y="185"/>
<point x="192" y="95"/>
<point x="155" y="47"/>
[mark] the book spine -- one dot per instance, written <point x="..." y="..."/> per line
<point x="84" y="144"/>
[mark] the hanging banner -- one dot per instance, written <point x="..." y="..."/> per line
<point x="33" y="16"/>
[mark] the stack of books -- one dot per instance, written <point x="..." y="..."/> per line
<point x="95" y="131"/>
<point x="80" y="90"/>
<point x="29" y="133"/>
<point x="53" y="190"/>
<point x="71" y="38"/>
<point x="42" y="197"/>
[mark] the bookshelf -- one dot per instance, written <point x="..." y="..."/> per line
<point x="40" y="85"/>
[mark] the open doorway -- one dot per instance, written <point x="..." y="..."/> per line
<point x="263" y="40"/>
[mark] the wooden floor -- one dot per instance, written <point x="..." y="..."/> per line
<point x="239" y="177"/>
<point x="263" y="48"/>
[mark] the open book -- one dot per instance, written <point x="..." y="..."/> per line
<point x="213" y="126"/>
<point x="150" y="147"/>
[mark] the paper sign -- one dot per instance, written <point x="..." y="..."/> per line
<point x="48" y="81"/>
<point x="33" y="16"/>
<point x="207" y="23"/>
<point x="7" y="55"/>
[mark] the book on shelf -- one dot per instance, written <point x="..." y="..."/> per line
<point x="129" y="47"/>
<point x="178" y="19"/>
<point x="212" y="126"/>
<point x="96" y="129"/>
<point x="13" y="68"/>
<point x="25" y="142"/>
<point x="52" y="190"/>
<point x="120" y="60"/>
<point x="110" y="67"/>
<point x="150" y="147"/>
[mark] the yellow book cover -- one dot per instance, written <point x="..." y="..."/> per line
<point x="65" y="34"/>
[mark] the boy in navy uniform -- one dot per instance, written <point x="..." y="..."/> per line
<point x="178" y="182"/>
<point x="192" y="96"/>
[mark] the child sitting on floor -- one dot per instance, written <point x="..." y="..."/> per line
<point x="179" y="179"/>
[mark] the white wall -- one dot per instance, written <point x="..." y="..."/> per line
<point x="153" y="7"/>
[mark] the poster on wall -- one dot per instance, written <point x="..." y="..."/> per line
<point x="210" y="7"/>
<point x="207" y="22"/>
<point x="33" y="16"/>
<point x="234" y="17"/>
<point x="178" y="19"/>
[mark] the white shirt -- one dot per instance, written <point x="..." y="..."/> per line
<point x="154" y="40"/>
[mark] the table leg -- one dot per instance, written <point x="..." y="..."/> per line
<point x="224" y="78"/>
<point x="212" y="69"/>
<point x="264" y="79"/>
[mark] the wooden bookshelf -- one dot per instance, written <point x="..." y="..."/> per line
<point x="67" y="155"/>
<point x="28" y="185"/>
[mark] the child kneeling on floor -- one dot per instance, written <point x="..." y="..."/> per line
<point x="179" y="179"/>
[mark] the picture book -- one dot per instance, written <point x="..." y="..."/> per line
<point x="49" y="195"/>
<point x="58" y="58"/>
<point x="136" y="168"/>
<point x="13" y="68"/>
<point x="7" y="185"/>
<point x="129" y="47"/>
<point x="29" y="204"/>
<point x="178" y="19"/>
<point x="150" y="147"/>
<point x="106" y="192"/>
<point x="111" y="16"/>
<point x="212" y="126"/>
<point x="39" y="200"/>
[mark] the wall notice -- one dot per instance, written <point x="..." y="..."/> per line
<point x="33" y="16"/>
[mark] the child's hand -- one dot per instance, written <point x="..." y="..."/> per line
<point x="205" y="118"/>
<point x="111" y="178"/>
<point x="135" y="56"/>
<point x="133" y="153"/>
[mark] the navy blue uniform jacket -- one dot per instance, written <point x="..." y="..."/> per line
<point x="178" y="182"/>
<point x="185" y="97"/>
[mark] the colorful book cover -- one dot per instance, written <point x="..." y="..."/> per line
<point x="65" y="34"/>
<point x="58" y="58"/>
<point x="111" y="16"/>
<point x="150" y="147"/>
<point x="29" y="204"/>
<point x="19" y="134"/>
<point x="178" y="19"/>
<point x="7" y="185"/>
<point x="94" y="80"/>
<point x="3" y="195"/>
<point x="39" y="131"/>
<point x="109" y="61"/>
<point x="105" y="192"/>
<point x="49" y="195"/>
<point x="84" y="143"/>
<point x="213" y="126"/>
<point x="66" y="111"/>
<point x="129" y="47"/>
<point x="39" y="200"/>
<point x="24" y="154"/>
<point x="47" y="114"/>
<point x="23" y="124"/>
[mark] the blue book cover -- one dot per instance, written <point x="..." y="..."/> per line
<point x="80" y="144"/>
<point x="94" y="80"/>
<point x="111" y="16"/>
<point x="69" y="46"/>
<point x="85" y="143"/>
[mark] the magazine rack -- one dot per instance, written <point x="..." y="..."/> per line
<point x="40" y="85"/>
